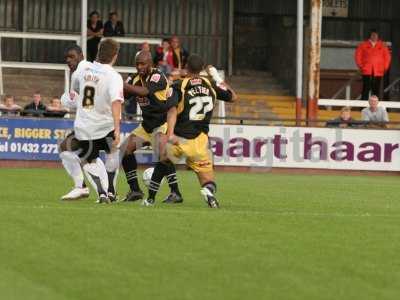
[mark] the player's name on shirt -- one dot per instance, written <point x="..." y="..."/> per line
<point x="198" y="90"/>
<point x="90" y="77"/>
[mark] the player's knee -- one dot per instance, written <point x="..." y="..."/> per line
<point x="62" y="147"/>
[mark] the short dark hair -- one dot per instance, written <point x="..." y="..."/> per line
<point x="95" y="12"/>
<point x="371" y="31"/>
<point x="108" y="48"/>
<point x="195" y="64"/>
<point x="112" y="13"/>
<point x="166" y="40"/>
<point x="75" y="48"/>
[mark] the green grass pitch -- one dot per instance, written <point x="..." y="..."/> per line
<point x="275" y="237"/>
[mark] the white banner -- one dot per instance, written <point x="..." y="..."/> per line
<point x="292" y="147"/>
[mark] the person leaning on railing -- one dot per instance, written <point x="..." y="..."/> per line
<point x="344" y="120"/>
<point x="113" y="27"/>
<point x="36" y="108"/>
<point x="8" y="107"/>
<point x="55" y="109"/>
<point x="375" y="115"/>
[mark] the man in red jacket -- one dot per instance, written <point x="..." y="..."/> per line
<point x="373" y="59"/>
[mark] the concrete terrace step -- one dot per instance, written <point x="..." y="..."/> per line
<point x="22" y="83"/>
<point x="256" y="82"/>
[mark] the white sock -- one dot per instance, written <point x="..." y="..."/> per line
<point x="112" y="167"/>
<point x="72" y="165"/>
<point x="97" y="175"/>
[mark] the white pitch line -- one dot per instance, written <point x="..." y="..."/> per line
<point x="138" y="209"/>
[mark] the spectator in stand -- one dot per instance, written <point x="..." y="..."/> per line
<point x="113" y="27"/>
<point x="94" y="33"/>
<point x="373" y="59"/>
<point x="344" y="120"/>
<point x="164" y="58"/>
<point x="375" y="115"/>
<point x="8" y="107"/>
<point x="55" y="109"/>
<point x="36" y="108"/>
<point x="179" y="54"/>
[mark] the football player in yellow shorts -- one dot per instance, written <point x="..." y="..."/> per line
<point x="188" y="126"/>
<point x="152" y="92"/>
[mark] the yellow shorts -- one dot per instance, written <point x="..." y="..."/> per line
<point x="149" y="137"/>
<point x="198" y="155"/>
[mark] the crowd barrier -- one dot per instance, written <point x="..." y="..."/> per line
<point x="233" y="145"/>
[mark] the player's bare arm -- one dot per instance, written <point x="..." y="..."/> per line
<point x="116" y="112"/>
<point x="171" y="121"/>
<point x="136" y="90"/>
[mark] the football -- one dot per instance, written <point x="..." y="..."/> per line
<point x="147" y="176"/>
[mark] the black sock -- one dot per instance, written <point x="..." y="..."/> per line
<point x="172" y="178"/>
<point x="211" y="186"/>
<point x="84" y="184"/>
<point x="130" y="165"/>
<point x="158" y="174"/>
<point x="111" y="187"/>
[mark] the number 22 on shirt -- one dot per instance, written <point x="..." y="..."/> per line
<point x="202" y="106"/>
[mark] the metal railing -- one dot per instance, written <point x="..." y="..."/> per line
<point x="30" y="65"/>
<point x="347" y="88"/>
<point x="356" y="103"/>
<point x="59" y="37"/>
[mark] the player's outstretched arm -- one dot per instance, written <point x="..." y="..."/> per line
<point x="68" y="100"/>
<point x="136" y="90"/>
<point x="212" y="71"/>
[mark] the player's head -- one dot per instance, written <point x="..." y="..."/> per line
<point x="373" y="35"/>
<point x="195" y="64"/>
<point x="73" y="55"/>
<point x="108" y="52"/>
<point x="144" y="62"/>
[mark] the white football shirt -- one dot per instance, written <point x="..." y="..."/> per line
<point x="97" y="85"/>
<point x="66" y="101"/>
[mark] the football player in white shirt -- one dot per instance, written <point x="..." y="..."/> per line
<point x="69" y="147"/>
<point x="97" y="123"/>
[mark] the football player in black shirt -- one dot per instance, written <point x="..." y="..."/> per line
<point x="188" y="126"/>
<point x="153" y="93"/>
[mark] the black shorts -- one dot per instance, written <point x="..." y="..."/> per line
<point x="90" y="149"/>
<point x="70" y="143"/>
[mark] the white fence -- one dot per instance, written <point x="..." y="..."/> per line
<point x="63" y="67"/>
<point x="355" y="103"/>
